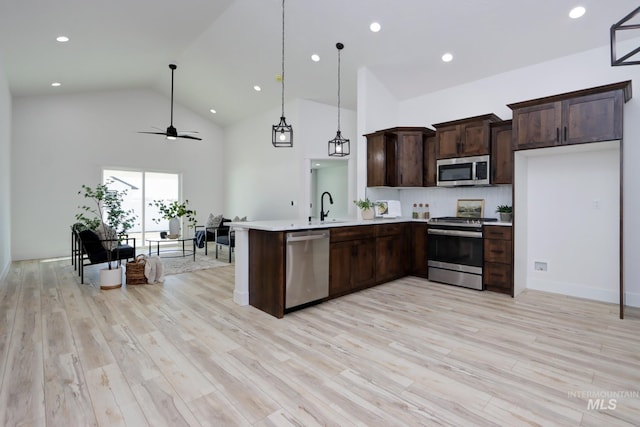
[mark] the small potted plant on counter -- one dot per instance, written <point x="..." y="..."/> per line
<point x="506" y="213"/>
<point x="366" y="207"/>
<point x="172" y="212"/>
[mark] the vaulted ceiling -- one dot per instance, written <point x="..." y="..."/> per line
<point x="225" y="47"/>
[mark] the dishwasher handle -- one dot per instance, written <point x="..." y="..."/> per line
<point x="305" y="238"/>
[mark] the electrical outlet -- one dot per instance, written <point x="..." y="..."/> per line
<point x="540" y="266"/>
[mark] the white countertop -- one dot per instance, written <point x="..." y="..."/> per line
<point x="297" y="224"/>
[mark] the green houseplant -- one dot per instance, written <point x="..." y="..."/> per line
<point x="505" y="212"/>
<point x="366" y="207"/>
<point x="172" y="211"/>
<point x="105" y="215"/>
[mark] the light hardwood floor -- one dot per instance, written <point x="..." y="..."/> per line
<point x="406" y="353"/>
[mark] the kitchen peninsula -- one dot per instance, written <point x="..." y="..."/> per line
<point x="361" y="254"/>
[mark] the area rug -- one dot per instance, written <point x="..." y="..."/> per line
<point x="187" y="264"/>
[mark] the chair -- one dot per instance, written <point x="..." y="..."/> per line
<point x="89" y="247"/>
<point x="221" y="235"/>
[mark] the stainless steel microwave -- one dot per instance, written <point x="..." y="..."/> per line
<point x="463" y="171"/>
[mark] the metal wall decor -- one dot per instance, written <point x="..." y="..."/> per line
<point x="624" y="25"/>
<point x="282" y="133"/>
<point x="339" y="146"/>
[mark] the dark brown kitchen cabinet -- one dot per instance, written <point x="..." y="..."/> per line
<point x="418" y="249"/>
<point x="390" y="252"/>
<point x="497" y="275"/>
<point x="351" y="259"/>
<point x="589" y="115"/>
<point x="266" y="271"/>
<point x="501" y="153"/>
<point x="395" y="157"/>
<point x="430" y="172"/>
<point x="464" y="137"/>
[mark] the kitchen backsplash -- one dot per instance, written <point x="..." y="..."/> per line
<point x="442" y="201"/>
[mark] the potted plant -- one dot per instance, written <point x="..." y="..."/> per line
<point x="106" y="216"/>
<point x="505" y="212"/>
<point x="366" y="206"/>
<point x="172" y="212"/>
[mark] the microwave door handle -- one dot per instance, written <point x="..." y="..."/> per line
<point x="474" y="172"/>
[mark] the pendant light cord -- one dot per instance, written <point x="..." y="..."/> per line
<point x="339" y="89"/>
<point x="282" y="75"/>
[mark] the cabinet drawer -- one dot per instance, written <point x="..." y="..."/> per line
<point x="497" y="251"/>
<point x="498" y="277"/>
<point x="389" y="229"/>
<point x="497" y="232"/>
<point x="340" y="234"/>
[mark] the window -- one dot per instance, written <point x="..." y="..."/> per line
<point x="142" y="188"/>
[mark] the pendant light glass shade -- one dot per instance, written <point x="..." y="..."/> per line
<point x="282" y="133"/>
<point x="339" y="146"/>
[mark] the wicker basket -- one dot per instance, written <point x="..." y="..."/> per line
<point x="135" y="271"/>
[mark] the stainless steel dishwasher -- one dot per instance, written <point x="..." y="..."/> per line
<point x="307" y="267"/>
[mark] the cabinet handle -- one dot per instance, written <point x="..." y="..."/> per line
<point x="557" y="134"/>
<point x="565" y="134"/>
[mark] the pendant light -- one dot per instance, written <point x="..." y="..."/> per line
<point x="282" y="133"/>
<point x="338" y="146"/>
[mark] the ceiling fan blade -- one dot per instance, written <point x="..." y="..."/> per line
<point x="189" y="131"/>
<point x="154" y="133"/>
<point x="190" y="137"/>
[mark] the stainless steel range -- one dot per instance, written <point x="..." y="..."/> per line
<point x="455" y="254"/>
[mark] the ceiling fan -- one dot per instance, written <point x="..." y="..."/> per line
<point x="171" y="132"/>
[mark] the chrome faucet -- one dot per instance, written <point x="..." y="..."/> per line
<point x="324" y="214"/>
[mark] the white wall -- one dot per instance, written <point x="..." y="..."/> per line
<point x="63" y="141"/>
<point x="581" y="71"/>
<point x="573" y="207"/>
<point x="5" y="173"/>
<point x="333" y="179"/>
<point x="263" y="181"/>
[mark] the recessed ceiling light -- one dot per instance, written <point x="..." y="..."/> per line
<point x="257" y="88"/>
<point x="56" y="84"/>
<point x="62" y="39"/>
<point x="447" y="57"/>
<point x="315" y="57"/>
<point x="213" y="111"/>
<point x="577" y="12"/>
<point x="375" y="27"/>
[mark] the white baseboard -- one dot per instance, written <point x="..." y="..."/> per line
<point x="574" y="290"/>
<point x="4" y="271"/>
<point x="632" y="299"/>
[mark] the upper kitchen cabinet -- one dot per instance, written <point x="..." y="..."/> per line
<point x="501" y="153"/>
<point x="464" y="137"/>
<point x="395" y="157"/>
<point x="583" y="116"/>
<point x="430" y="177"/>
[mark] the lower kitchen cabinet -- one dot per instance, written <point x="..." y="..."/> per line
<point x="351" y="259"/>
<point x="418" y="249"/>
<point x="267" y="271"/>
<point x="391" y="247"/>
<point x="497" y="275"/>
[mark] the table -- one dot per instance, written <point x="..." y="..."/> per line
<point x="179" y="239"/>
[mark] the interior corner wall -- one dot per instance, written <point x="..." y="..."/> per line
<point x="63" y="141"/>
<point x="267" y="183"/>
<point x="5" y="173"/>
<point x="377" y="109"/>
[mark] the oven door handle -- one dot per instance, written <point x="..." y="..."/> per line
<point x="461" y="233"/>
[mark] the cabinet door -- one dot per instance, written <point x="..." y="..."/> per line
<point x="389" y="258"/>
<point x="474" y="139"/>
<point x="447" y="142"/>
<point x="501" y="155"/>
<point x="409" y="156"/>
<point x="537" y="126"/>
<point x="498" y="278"/>
<point x="363" y="263"/>
<point x="376" y="160"/>
<point x="340" y="256"/>
<point x="592" y="118"/>
<point x="419" y="249"/>
<point x="429" y="163"/>
<point x="497" y="251"/>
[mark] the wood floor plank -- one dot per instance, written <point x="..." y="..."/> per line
<point x="409" y="352"/>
